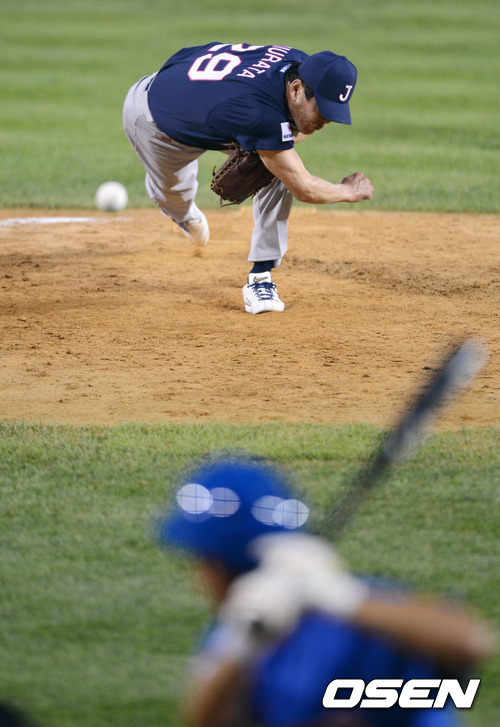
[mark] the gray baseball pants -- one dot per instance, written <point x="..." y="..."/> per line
<point x="171" y="179"/>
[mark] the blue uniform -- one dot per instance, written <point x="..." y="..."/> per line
<point x="289" y="681"/>
<point x="214" y="95"/>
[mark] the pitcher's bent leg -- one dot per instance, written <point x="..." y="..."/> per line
<point x="171" y="167"/>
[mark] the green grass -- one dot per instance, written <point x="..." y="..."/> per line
<point x="96" y="623"/>
<point x="425" y="110"/>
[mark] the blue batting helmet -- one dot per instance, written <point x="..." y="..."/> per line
<point x="222" y="506"/>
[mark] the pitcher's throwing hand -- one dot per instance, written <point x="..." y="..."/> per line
<point x="360" y="187"/>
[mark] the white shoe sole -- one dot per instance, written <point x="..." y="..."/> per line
<point x="262" y="306"/>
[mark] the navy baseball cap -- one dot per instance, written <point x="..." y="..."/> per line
<point x="223" y="505"/>
<point x="332" y="78"/>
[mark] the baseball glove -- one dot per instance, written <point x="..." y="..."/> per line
<point x="240" y="177"/>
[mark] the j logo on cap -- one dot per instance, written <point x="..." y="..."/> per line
<point x="344" y="97"/>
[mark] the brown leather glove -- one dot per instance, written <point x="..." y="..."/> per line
<point x="241" y="176"/>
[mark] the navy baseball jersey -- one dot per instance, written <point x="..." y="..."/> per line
<point x="213" y="95"/>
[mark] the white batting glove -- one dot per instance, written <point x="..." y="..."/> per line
<point x="321" y="581"/>
<point x="265" y="602"/>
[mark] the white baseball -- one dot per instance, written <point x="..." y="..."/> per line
<point x="111" y="197"/>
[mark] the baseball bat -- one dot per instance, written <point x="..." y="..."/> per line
<point x="455" y="373"/>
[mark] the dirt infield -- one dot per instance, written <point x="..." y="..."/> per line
<point x="120" y="318"/>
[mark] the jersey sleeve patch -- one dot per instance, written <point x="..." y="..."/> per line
<point x="286" y="132"/>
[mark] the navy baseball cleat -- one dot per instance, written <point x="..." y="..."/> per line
<point x="260" y="294"/>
